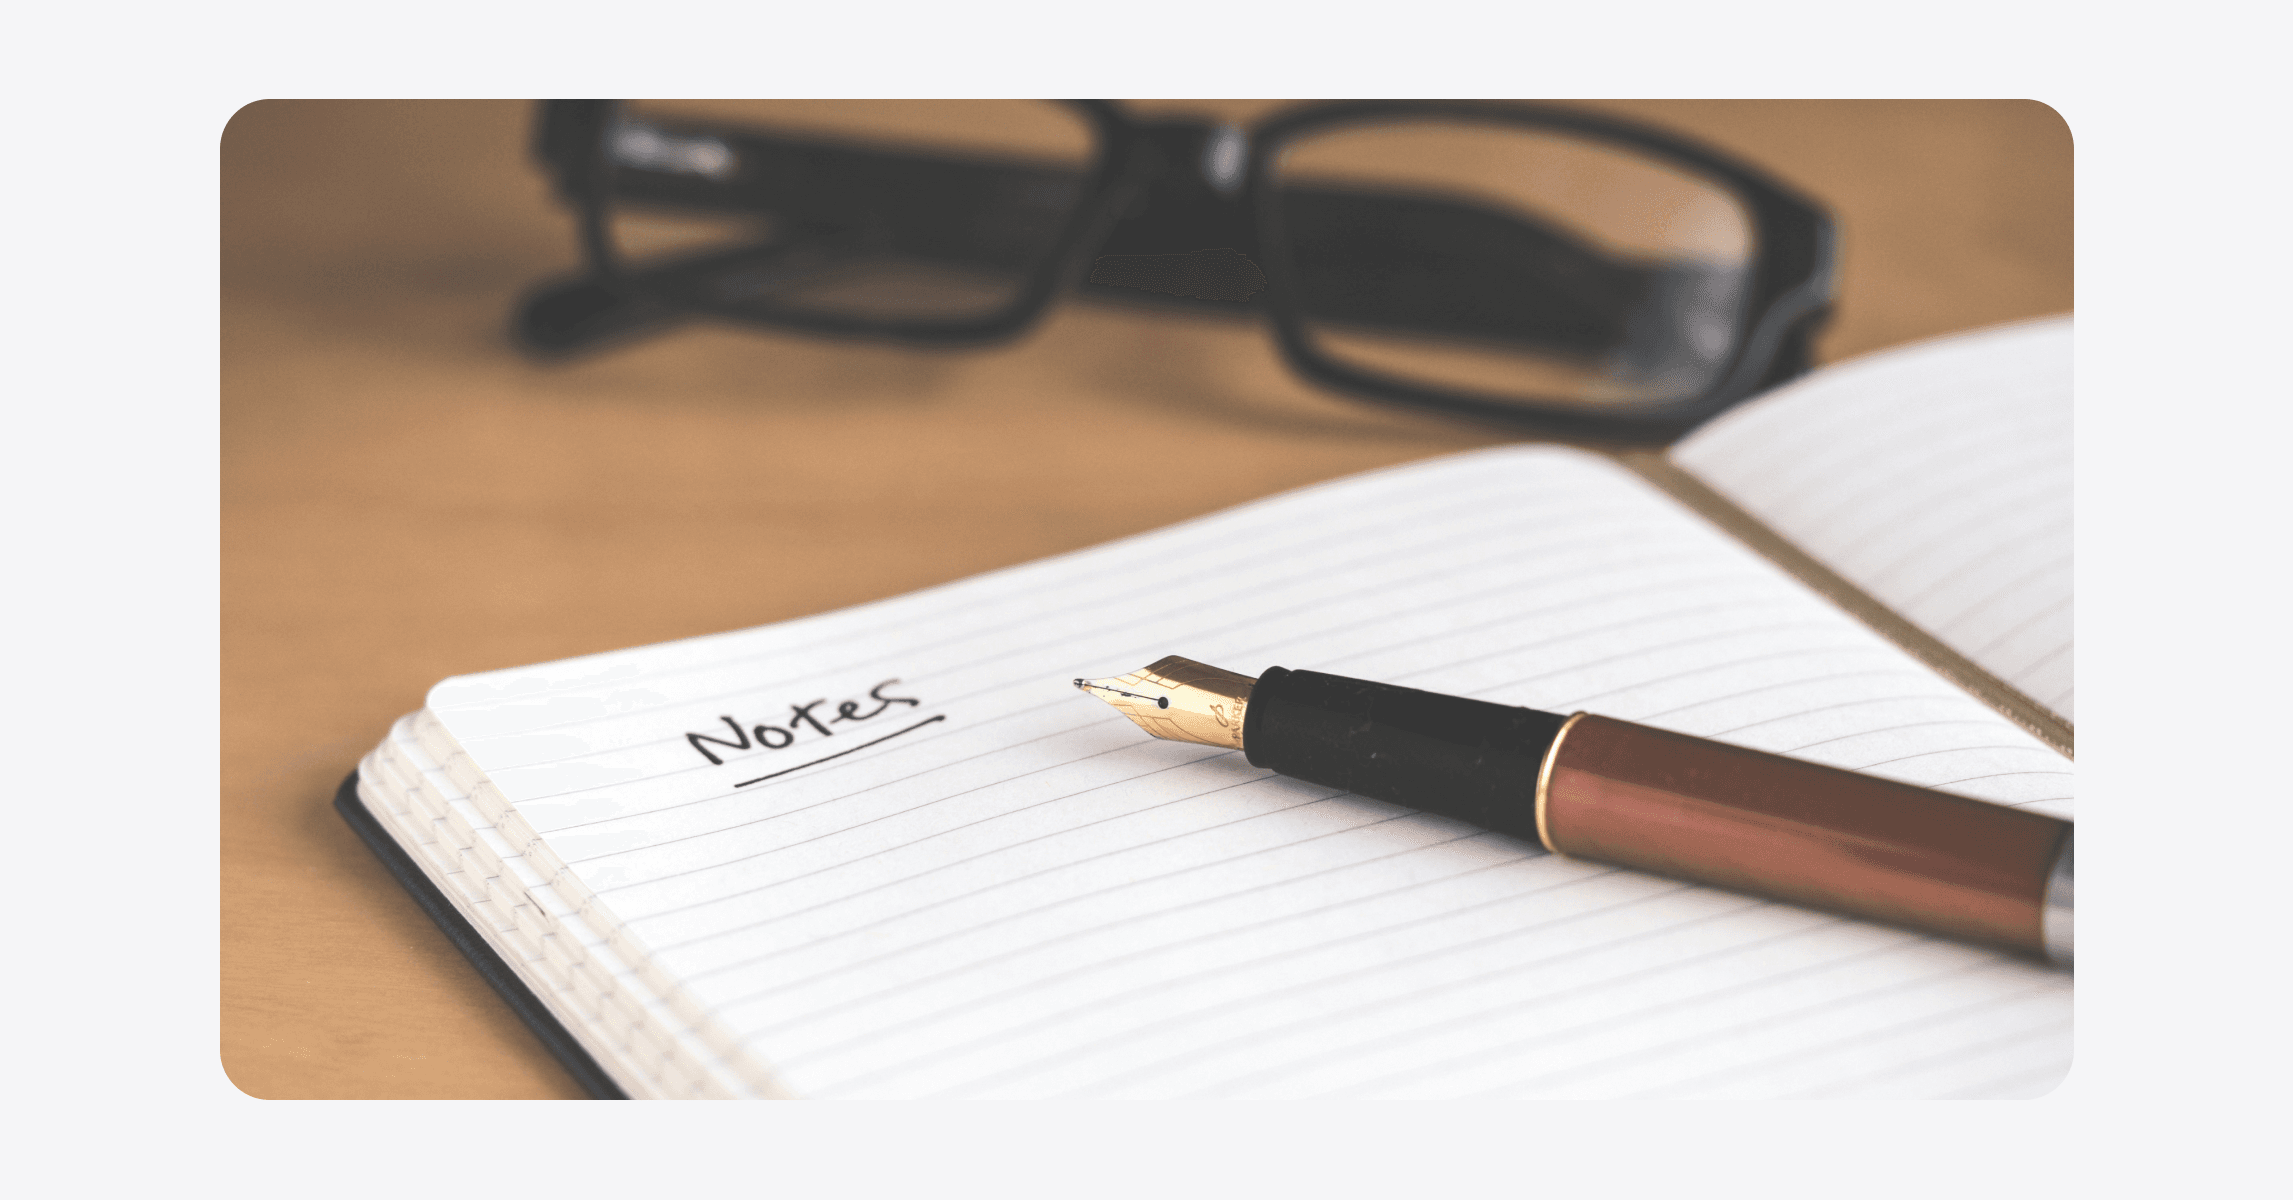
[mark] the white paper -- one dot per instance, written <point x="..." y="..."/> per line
<point x="1937" y="478"/>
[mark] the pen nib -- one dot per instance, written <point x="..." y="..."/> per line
<point x="1180" y="700"/>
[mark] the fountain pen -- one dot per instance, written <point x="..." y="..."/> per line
<point x="1593" y="787"/>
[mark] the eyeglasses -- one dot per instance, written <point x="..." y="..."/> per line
<point x="1571" y="273"/>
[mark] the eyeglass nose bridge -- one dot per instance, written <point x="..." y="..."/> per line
<point x="1186" y="237"/>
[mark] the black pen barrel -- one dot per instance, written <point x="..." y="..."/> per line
<point x="1462" y="758"/>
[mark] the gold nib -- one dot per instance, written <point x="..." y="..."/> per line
<point x="1181" y="700"/>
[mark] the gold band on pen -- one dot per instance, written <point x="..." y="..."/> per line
<point x="1545" y="780"/>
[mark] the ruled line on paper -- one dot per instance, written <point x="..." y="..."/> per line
<point x="1930" y="407"/>
<point x="1794" y="473"/>
<point x="1991" y="601"/>
<point x="1860" y="1041"/>
<point x="1953" y="750"/>
<point x="1886" y="500"/>
<point x="1575" y="635"/>
<point x="1483" y="1058"/>
<point x="1914" y="992"/>
<point x="1843" y="737"/>
<point x="2053" y="527"/>
<point x="1243" y="1084"/>
<point x="1876" y="673"/>
<point x="1897" y="698"/>
<point x="1609" y="1064"/>
<point x="1555" y="1038"/>
<point x="2016" y="630"/>
<point x="1998" y="775"/>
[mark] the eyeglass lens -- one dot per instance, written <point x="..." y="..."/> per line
<point x="881" y="210"/>
<point x="1518" y="264"/>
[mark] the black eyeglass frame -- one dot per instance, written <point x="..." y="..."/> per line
<point x="1792" y="288"/>
<point x="1791" y="291"/>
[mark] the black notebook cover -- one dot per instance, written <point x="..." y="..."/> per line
<point x="474" y="946"/>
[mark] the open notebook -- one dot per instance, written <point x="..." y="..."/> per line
<point x="888" y="851"/>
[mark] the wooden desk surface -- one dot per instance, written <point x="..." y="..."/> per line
<point x="404" y="498"/>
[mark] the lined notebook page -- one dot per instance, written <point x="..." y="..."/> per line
<point x="1938" y="479"/>
<point x="979" y="881"/>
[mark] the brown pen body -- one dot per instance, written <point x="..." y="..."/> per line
<point x="1608" y="790"/>
<point x="1695" y="809"/>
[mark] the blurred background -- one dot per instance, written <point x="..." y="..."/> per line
<point x="407" y="496"/>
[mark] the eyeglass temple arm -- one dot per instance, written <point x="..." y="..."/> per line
<point x="572" y="140"/>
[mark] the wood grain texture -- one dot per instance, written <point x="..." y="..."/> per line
<point x="405" y="498"/>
